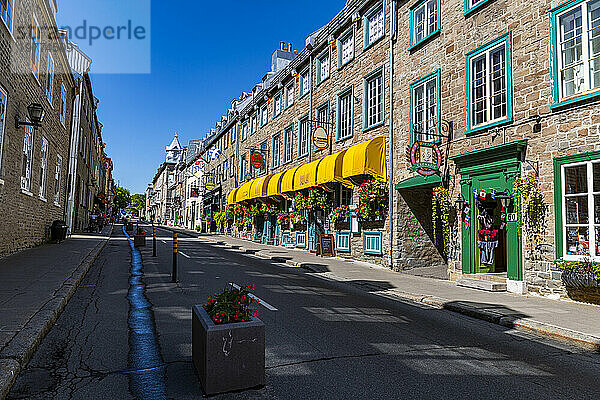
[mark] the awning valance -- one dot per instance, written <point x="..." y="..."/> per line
<point x="243" y="192"/>
<point x="366" y="158"/>
<point x="274" y="186"/>
<point x="330" y="169"/>
<point x="419" y="181"/>
<point x="306" y="175"/>
<point x="231" y="197"/>
<point x="259" y="187"/>
<point x="287" y="180"/>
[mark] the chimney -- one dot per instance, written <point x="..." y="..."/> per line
<point x="281" y="45"/>
<point x="289" y="49"/>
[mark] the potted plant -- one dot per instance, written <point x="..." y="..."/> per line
<point x="340" y="214"/>
<point x="372" y="196"/>
<point x="582" y="280"/>
<point x="228" y="341"/>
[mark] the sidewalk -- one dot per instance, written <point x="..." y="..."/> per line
<point x="35" y="286"/>
<point x="576" y="323"/>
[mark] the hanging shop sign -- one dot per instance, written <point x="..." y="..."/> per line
<point x="257" y="160"/>
<point x="320" y="138"/>
<point x="425" y="158"/>
<point x="209" y="183"/>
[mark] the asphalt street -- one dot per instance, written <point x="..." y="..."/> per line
<point x="324" y="340"/>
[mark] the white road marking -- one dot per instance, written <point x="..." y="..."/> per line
<point x="183" y="254"/>
<point x="261" y="302"/>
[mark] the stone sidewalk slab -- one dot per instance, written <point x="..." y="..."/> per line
<point x="576" y="323"/>
<point x="37" y="284"/>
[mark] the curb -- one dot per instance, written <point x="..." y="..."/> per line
<point x="17" y="353"/>
<point x="572" y="337"/>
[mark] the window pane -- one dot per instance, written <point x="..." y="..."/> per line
<point x="594" y="38"/>
<point x="576" y="179"/>
<point x="498" y="82"/>
<point x="478" y="91"/>
<point x="577" y="241"/>
<point x="577" y="210"/>
<point x="419" y="24"/>
<point x="596" y="169"/>
<point x="432" y="16"/>
<point x="571" y="52"/>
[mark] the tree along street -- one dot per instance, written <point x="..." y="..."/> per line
<point x="323" y="340"/>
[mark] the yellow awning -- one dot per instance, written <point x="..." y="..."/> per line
<point x="259" y="187"/>
<point x="366" y="158"/>
<point x="274" y="186"/>
<point x="231" y="197"/>
<point x="330" y="169"/>
<point x="306" y="175"/>
<point x="243" y="192"/>
<point x="287" y="180"/>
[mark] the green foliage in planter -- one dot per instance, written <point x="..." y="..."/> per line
<point x="373" y="199"/>
<point x="300" y="201"/>
<point x="221" y="220"/>
<point x="297" y="218"/>
<point x="231" y="305"/>
<point x="283" y="218"/>
<point x="529" y="200"/>
<point x="339" y="214"/>
<point x="317" y="200"/>
<point x="580" y="267"/>
<point x="440" y="207"/>
<point x="255" y="210"/>
<point x="270" y="209"/>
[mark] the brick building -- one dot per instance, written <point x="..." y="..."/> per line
<point x="445" y="100"/>
<point x="33" y="161"/>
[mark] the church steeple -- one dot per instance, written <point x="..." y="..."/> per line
<point x="174" y="151"/>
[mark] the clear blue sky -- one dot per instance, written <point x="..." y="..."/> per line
<point x="203" y="54"/>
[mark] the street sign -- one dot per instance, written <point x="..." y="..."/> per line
<point x="320" y="138"/>
<point x="511" y="217"/>
<point x="257" y="160"/>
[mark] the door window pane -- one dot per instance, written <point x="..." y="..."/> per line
<point x="577" y="210"/>
<point x="576" y="179"/>
<point x="577" y="241"/>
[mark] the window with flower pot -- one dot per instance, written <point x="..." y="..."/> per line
<point x="323" y="66"/>
<point x="276" y="150"/>
<point x="575" y="33"/>
<point x="6" y="13"/>
<point x="374" y="25"/>
<point x="345" y="47"/>
<point x="27" y="159"/>
<point x="43" y="168"/>
<point x="424" y="21"/>
<point x="345" y="114"/>
<point x="303" y="134"/>
<point x="50" y="79"/>
<point x="289" y="95"/>
<point x="373" y="99"/>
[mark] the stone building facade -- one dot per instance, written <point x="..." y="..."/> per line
<point x="33" y="161"/>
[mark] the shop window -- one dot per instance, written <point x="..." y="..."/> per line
<point x="374" y="25"/>
<point x="3" y="103"/>
<point x="345" y="48"/>
<point x="43" y="167"/>
<point x="323" y="66"/>
<point x="342" y="241"/>
<point x="6" y="13"/>
<point x="424" y="21"/>
<point x="581" y="210"/>
<point x="303" y="133"/>
<point x="27" y="159"/>
<point x="472" y="5"/>
<point x="575" y="32"/>
<point x="301" y="239"/>
<point x="289" y="95"/>
<point x="489" y="85"/>
<point x="373" y="99"/>
<point x="372" y="243"/>
<point x="344" y="115"/>
<point x="424" y="106"/>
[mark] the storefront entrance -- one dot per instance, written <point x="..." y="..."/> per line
<point x="491" y="234"/>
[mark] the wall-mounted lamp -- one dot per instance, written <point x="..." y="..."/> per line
<point x="36" y="116"/>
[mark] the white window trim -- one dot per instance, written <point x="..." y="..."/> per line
<point x="44" y="168"/>
<point x="3" y="127"/>
<point x="324" y="55"/>
<point x="12" y="20"/>
<point x="304" y="76"/>
<point x="350" y="92"/>
<point x="367" y="28"/>
<point x="289" y="100"/>
<point x="590" y="225"/>
<point x="39" y="51"/>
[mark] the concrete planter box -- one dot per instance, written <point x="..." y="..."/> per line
<point x="227" y="357"/>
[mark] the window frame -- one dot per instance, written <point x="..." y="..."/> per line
<point x="57" y="179"/>
<point x="470" y="8"/>
<point x="372" y="11"/>
<point x="347" y="91"/>
<point x="555" y="14"/>
<point x="365" y="110"/>
<point x="3" y="95"/>
<point x="289" y="100"/>
<point x="304" y="75"/>
<point x="505" y="40"/>
<point x="343" y="234"/>
<point x="4" y="13"/>
<point x="349" y="32"/>
<point x="560" y="163"/>
<point x="288" y="132"/>
<point x="275" y="97"/>
<point x="373" y="235"/>
<point x="264" y="115"/>
<point x="412" y="44"/>
<point x="35" y="63"/>
<point x="50" y="80"/>
<point x="253" y="124"/>
<point x="29" y="154"/>
<point x="304" y="152"/>
<point x="63" y="105"/>
<point x="275" y="150"/>
<point x="423" y="81"/>
<point x="324" y="54"/>
<point x="43" y="184"/>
